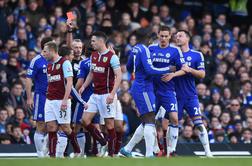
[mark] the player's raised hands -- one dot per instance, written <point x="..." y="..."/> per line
<point x="167" y="77"/>
<point x="70" y="25"/>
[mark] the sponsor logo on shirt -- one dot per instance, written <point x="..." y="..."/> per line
<point x="98" y="69"/>
<point x="162" y="60"/>
<point x="54" y="78"/>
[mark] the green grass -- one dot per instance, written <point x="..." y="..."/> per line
<point x="179" y="161"/>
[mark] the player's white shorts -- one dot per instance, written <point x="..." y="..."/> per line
<point x="97" y="103"/>
<point x="161" y="113"/>
<point x="118" y="115"/>
<point x="53" y="112"/>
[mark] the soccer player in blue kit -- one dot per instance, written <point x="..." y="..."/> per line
<point x="164" y="54"/>
<point x="37" y="74"/>
<point x="186" y="90"/>
<point x="140" y="62"/>
<point x="82" y="75"/>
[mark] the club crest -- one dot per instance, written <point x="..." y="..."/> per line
<point x="189" y="58"/>
<point x="105" y="59"/>
<point x="57" y="66"/>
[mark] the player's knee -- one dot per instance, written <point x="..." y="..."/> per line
<point x="66" y="129"/>
<point x="109" y="123"/>
<point x="174" y="121"/>
<point x="77" y="128"/>
<point x="40" y="127"/>
<point x="119" y="128"/>
<point x="85" y="121"/>
<point x="51" y="127"/>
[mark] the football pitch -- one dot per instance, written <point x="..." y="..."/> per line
<point x="178" y="161"/>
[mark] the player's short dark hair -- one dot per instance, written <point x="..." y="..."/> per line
<point x="87" y="49"/>
<point x="141" y="36"/>
<point x="186" y="32"/>
<point x="14" y="127"/>
<point x="246" y="129"/>
<point x="17" y="82"/>
<point x="165" y="28"/>
<point x="4" y="137"/>
<point x="100" y="34"/>
<point x="44" y="41"/>
<point x="52" y="45"/>
<point x="64" y="51"/>
<point x="246" y="82"/>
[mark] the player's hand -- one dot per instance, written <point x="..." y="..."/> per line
<point x="110" y="98"/>
<point x="63" y="106"/>
<point x="69" y="24"/>
<point x="167" y="77"/>
<point x="81" y="90"/>
<point x="172" y="68"/>
<point x="85" y="106"/>
<point x="186" y="68"/>
<point x="29" y="103"/>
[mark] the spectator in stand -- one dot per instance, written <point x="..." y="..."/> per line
<point x="246" y="136"/>
<point x="3" y="120"/>
<point x="186" y="136"/>
<point x="17" y="136"/>
<point x="5" y="139"/>
<point x="16" y="97"/>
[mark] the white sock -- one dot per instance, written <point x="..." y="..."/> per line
<point x="61" y="144"/>
<point x="149" y="137"/>
<point x="39" y="141"/>
<point x="156" y="147"/>
<point x="46" y="145"/>
<point x="172" y="139"/>
<point x="136" y="138"/>
<point x="203" y="136"/>
<point x="81" y="141"/>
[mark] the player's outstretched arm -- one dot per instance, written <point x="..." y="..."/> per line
<point x="77" y="97"/>
<point x="69" y="36"/>
<point x="168" y="77"/>
<point x="79" y="83"/>
<point x="148" y="66"/>
<point x="87" y="82"/>
<point x="196" y="73"/>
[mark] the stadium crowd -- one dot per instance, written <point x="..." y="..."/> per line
<point x="220" y="29"/>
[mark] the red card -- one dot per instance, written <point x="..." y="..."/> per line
<point x="70" y="15"/>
